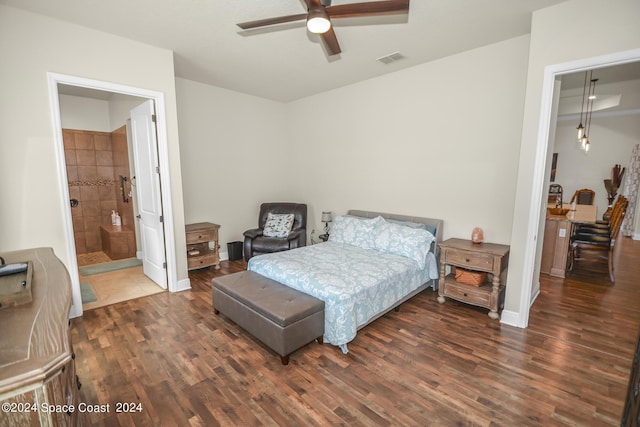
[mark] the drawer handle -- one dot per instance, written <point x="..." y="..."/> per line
<point x="467" y="260"/>
<point x="465" y="295"/>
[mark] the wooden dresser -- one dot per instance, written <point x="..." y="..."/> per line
<point x="202" y="245"/>
<point x="38" y="382"/>
<point x="479" y="257"/>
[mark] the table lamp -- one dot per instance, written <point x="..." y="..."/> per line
<point x="326" y="218"/>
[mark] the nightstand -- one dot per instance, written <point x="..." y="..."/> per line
<point x="200" y="253"/>
<point x="479" y="257"/>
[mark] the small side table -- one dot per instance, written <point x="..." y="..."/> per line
<point x="484" y="257"/>
<point x="199" y="252"/>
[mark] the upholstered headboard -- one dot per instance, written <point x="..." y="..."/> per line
<point x="437" y="223"/>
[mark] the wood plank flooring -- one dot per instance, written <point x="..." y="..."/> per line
<point x="429" y="364"/>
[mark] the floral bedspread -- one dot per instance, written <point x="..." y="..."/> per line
<point x="356" y="284"/>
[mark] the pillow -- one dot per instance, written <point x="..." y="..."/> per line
<point x="430" y="228"/>
<point x="278" y="225"/>
<point x="412" y="243"/>
<point x="354" y="230"/>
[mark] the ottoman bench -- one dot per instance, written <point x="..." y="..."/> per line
<point x="282" y="318"/>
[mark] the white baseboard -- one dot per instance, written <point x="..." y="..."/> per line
<point x="224" y="256"/>
<point x="511" y="318"/>
<point x="183" y="285"/>
<point x="534" y="293"/>
<point x="635" y="236"/>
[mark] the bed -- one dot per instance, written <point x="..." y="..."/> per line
<point x="371" y="263"/>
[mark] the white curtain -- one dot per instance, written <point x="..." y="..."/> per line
<point x="631" y="191"/>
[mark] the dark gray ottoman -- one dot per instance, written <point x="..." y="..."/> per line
<point x="283" y="318"/>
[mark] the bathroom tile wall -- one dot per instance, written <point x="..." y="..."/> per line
<point x="93" y="182"/>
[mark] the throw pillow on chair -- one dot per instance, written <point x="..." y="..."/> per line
<point x="278" y="225"/>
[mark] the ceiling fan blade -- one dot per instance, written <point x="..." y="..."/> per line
<point x="331" y="42"/>
<point x="368" y="9"/>
<point x="272" y="21"/>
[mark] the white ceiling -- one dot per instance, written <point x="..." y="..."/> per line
<point x="285" y="62"/>
<point x="617" y="88"/>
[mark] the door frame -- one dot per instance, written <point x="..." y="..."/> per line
<point x="551" y="73"/>
<point x="163" y="159"/>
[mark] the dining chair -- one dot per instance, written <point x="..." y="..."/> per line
<point x="597" y="241"/>
<point x="584" y="196"/>
<point x="555" y="190"/>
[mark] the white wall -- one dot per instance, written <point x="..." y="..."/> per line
<point x="558" y="36"/>
<point x="81" y="113"/>
<point x="235" y="156"/>
<point x="437" y="140"/>
<point x="78" y="112"/>
<point x="614" y="131"/>
<point x="120" y="107"/>
<point x="612" y="139"/>
<point x="31" y="45"/>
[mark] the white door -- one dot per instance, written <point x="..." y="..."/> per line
<point x="147" y="185"/>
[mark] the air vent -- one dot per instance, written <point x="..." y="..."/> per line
<point x="392" y="57"/>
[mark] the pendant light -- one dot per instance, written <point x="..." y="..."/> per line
<point x="584" y="90"/>
<point x="592" y="96"/>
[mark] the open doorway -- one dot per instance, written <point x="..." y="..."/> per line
<point x="101" y="180"/>
<point x="548" y="115"/>
<point x="612" y="129"/>
<point x="127" y="99"/>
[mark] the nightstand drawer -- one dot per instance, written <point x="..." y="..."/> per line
<point x="200" y="261"/>
<point x="471" y="260"/>
<point x="476" y="296"/>
<point x="201" y="236"/>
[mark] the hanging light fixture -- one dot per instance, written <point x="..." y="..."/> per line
<point x="584" y="91"/>
<point x="584" y="141"/>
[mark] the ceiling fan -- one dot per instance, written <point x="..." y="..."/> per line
<point x="320" y="12"/>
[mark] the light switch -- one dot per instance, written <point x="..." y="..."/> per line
<point x="562" y="232"/>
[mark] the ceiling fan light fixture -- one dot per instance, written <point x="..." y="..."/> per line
<point x="318" y="21"/>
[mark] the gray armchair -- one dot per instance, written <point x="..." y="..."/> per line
<point x="255" y="243"/>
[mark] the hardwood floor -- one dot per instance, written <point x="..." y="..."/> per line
<point x="428" y="364"/>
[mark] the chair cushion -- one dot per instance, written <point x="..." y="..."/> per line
<point x="278" y="225"/>
<point x="270" y="244"/>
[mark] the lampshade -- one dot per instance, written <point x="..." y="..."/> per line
<point x="318" y="21"/>
<point x="326" y="217"/>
